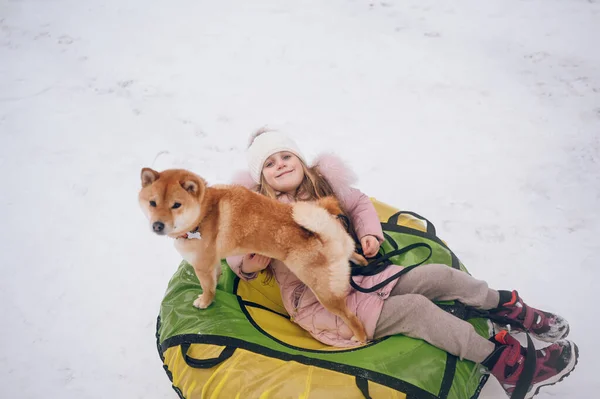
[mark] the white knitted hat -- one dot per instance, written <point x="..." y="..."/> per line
<point x="265" y="145"/>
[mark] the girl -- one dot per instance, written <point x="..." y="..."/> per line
<point x="278" y="170"/>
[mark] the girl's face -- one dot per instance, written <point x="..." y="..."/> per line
<point x="283" y="172"/>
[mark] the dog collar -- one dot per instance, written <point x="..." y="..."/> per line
<point x="195" y="234"/>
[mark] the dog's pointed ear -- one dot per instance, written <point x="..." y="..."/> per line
<point x="191" y="185"/>
<point x="149" y="176"/>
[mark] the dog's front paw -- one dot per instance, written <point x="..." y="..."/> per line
<point x="202" y="302"/>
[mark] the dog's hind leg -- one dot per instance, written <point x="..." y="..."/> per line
<point x="358" y="259"/>
<point x="337" y="306"/>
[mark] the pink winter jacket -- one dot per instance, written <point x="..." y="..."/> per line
<point x="299" y="301"/>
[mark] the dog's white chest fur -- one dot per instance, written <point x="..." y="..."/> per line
<point x="189" y="246"/>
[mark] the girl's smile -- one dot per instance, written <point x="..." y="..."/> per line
<point x="283" y="171"/>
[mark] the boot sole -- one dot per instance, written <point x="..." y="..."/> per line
<point x="535" y="388"/>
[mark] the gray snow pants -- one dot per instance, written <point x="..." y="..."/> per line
<point x="409" y="310"/>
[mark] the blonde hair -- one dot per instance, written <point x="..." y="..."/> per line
<point x="312" y="187"/>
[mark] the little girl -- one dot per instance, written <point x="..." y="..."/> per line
<point x="279" y="170"/>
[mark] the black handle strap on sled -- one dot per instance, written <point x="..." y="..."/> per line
<point x="430" y="232"/>
<point x="394" y="220"/>
<point x="528" y="372"/>
<point x="383" y="261"/>
<point x="205" y="363"/>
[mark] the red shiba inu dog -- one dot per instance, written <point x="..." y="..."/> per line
<point x="210" y="223"/>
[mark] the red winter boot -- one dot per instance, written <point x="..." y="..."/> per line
<point x="507" y="363"/>
<point x="544" y="326"/>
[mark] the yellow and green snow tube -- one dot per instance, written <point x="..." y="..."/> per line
<point x="245" y="346"/>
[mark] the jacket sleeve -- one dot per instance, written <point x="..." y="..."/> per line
<point x="235" y="264"/>
<point x="362" y="214"/>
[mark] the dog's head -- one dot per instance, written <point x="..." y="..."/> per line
<point x="171" y="200"/>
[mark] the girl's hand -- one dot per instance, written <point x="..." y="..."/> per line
<point x="370" y="246"/>
<point x="254" y="262"/>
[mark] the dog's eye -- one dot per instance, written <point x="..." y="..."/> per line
<point x="176" y="205"/>
<point x="153" y="204"/>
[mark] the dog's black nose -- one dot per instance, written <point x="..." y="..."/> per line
<point x="158" y="227"/>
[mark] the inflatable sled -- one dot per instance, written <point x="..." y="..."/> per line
<point x="245" y="345"/>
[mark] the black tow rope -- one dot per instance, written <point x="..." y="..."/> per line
<point x="383" y="261"/>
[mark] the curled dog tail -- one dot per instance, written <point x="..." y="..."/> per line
<point x="331" y="205"/>
<point x="337" y="245"/>
<point x="320" y="219"/>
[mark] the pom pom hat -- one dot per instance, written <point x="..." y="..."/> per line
<point x="263" y="145"/>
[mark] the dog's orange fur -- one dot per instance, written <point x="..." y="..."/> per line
<point x="233" y="220"/>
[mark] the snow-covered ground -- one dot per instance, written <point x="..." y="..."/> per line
<point x="483" y="116"/>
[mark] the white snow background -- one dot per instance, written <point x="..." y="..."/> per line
<point x="484" y="116"/>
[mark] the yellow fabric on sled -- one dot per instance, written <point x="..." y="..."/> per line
<point x="250" y="375"/>
<point x="384" y="211"/>
<point x="267" y="294"/>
